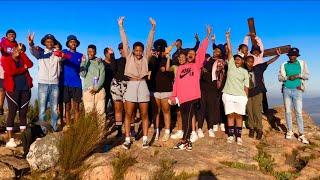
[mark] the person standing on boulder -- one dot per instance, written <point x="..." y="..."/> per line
<point x="188" y="75"/>
<point x="72" y="87"/>
<point x="255" y="94"/>
<point x="235" y="93"/>
<point x="293" y="75"/>
<point x="7" y="44"/>
<point x="93" y="72"/>
<point x="17" y="84"/>
<point x="137" y="91"/>
<point x="48" y="77"/>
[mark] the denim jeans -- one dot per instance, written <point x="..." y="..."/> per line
<point x="48" y="93"/>
<point x="293" y="97"/>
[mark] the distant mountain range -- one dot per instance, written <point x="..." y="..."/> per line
<point x="310" y="105"/>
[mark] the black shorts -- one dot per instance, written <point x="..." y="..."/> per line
<point x="1" y="84"/>
<point x="72" y="93"/>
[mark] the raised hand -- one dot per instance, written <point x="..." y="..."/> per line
<point x="153" y="22"/>
<point x="19" y="47"/>
<point x="209" y="30"/>
<point x="278" y="51"/>
<point x="228" y="33"/>
<point x="213" y="37"/>
<point x="84" y="58"/>
<point x="196" y="36"/>
<point x="30" y="38"/>
<point x="120" y="21"/>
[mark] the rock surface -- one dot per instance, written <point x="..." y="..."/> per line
<point x="43" y="153"/>
<point x="6" y="172"/>
<point x="210" y="155"/>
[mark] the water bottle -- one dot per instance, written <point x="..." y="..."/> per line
<point x="95" y="82"/>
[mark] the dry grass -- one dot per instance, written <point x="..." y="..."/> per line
<point x="121" y="163"/>
<point x="80" y="141"/>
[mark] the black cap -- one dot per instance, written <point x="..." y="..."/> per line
<point x="11" y="31"/>
<point x="293" y="52"/>
<point x="160" y="45"/>
<point x="72" y="37"/>
<point x="49" y="36"/>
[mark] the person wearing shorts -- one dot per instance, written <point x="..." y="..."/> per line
<point x="137" y="90"/>
<point x="235" y="93"/>
<point x="72" y="87"/>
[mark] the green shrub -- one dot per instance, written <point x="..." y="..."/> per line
<point x="239" y="165"/>
<point x="121" y="163"/>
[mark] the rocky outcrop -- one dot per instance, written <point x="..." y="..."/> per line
<point x="211" y="155"/>
<point x="43" y="153"/>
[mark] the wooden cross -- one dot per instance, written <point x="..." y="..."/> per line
<point x="267" y="52"/>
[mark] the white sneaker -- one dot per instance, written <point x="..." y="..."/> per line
<point x="244" y="124"/>
<point x="177" y="135"/>
<point x="11" y="143"/>
<point x="230" y="139"/>
<point x="222" y="128"/>
<point x="165" y="136"/>
<point x="193" y="137"/>
<point x="289" y="135"/>
<point x="215" y="128"/>
<point x="211" y="133"/>
<point x="200" y="133"/>
<point x="157" y="136"/>
<point x="239" y="141"/>
<point x="303" y="139"/>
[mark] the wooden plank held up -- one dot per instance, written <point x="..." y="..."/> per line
<point x="273" y="51"/>
<point x="252" y="30"/>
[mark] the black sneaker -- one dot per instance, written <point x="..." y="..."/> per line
<point x="188" y="146"/>
<point x="1" y="111"/>
<point x="180" y="146"/>
<point x="251" y="133"/>
<point x="259" y="134"/>
<point x="119" y="134"/>
<point x="126" y="145"/>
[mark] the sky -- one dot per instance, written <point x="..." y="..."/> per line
<point x="95" y="22"/>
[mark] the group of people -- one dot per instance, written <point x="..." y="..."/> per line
<point x="187" y="88"/>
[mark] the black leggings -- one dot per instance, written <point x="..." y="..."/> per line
<point x="210" y="108"/>
<point x="187" y="111"/>
<point x="18" y="100"/>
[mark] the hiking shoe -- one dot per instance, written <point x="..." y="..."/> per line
<point x="126" y="145"/>
<point x="177" y="135"/>
<point x="303" y="139"/>
<point x="119" y="134"/>
<point x="200" y="133"/>
<point x="188" y="146"/>
<point x="251" y="133"/>
<point x="1" y="111"/>
<point x="211" y="133"/>
<point x="289" y="135"/>
<point x="193" y="137"/>
<point x="239" y="141"/>
<point x="222" y="128"/>
<point x="215" y="128"/>
<point x="11" y="143"/>
<point x="230" y="139"/>
<point x="165" y="137"/>
<point x="259" y="134"/>
<point x="180" y="146"/>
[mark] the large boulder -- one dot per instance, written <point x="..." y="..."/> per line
<point x="43" y="153"/>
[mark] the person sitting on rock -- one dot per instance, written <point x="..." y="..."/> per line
<point x="293" y="74"/>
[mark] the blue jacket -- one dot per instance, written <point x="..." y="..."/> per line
<point x="71" y="69"/>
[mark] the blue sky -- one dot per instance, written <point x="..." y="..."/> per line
<point x="277" y="23"/>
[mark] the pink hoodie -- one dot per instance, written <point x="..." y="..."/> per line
<point x="186" y="86"/>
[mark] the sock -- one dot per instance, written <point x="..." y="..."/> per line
<point x="167" y="131"/>
<point x="119" y="126"/>
<point x="230" y="131"/>
<point x="193" y="132"/>
<point x="180" y="131"/>
<point x="157" y="130"/>
<point x="144" y="138"/>
<point x="127" y="140"/>
<point x="238" y="131"/>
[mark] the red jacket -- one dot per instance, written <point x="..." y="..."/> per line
<point x="10" y="70"/>
<point x="7" y="46"/>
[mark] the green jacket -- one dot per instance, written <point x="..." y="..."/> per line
<point x="90" y="69"/>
